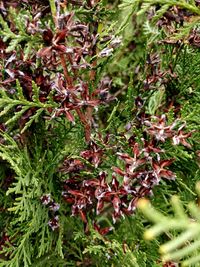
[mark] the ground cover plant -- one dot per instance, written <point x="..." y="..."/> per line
<point x="99" y="111"/>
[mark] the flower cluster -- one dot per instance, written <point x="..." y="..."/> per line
<point x="174" y="14"/>
<point x="143" y="170"/>
<point x="159" y="129"/>
<point x="194" y="38"/>
<point x="53" y="207"/>
<point x="155" y="74"/>
<point x="177" y="16"/>
<point x="71" y="53"/>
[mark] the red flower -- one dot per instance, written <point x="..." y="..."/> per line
<point x="160" y="171"/>
<point x="46" y="199"/>
<point x="72" y="165"/>
<point x="159" y="129"/>
<point x="149" y="147"/>
<point x="181" y="136"/>
<point x="132" y="162"/>
<point x="94" y="154"/>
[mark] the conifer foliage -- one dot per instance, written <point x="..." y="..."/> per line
<point x="99" y="108"/>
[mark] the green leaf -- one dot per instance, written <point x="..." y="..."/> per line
<point x="155" y="101"/>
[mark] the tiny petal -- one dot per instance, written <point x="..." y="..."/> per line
<point x="116" y="42"/>
<point x="106" y="52"/>
<point x="116" y="204"/>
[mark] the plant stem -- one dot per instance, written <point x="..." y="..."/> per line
<point x="86" y="123"/>
<point x="66" y="73"/>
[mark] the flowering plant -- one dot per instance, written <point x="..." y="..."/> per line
<point x="99" y="105"/>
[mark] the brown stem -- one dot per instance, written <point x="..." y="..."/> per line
<point x="69" y="57"/>
<point x="86" y="123"/>
<point x="93" y="72"/>
<point x="66" y="73"/>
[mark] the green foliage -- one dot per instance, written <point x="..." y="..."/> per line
<point x="107" y="252"/>
<point x="155" y="101"/>
<point x="184" y="245"/>
<point x="8" y="105"/>
<point x="21" y="36"/>
<point x="29" y="217"/>
<point x="189" y="5"/>
<point x="157" y="65"/>
<point x="32" y="241"/>
<point x="142" y="7"/>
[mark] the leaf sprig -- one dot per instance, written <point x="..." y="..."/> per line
<point x="8" y="104"/>
<point x="184" y="246"/>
